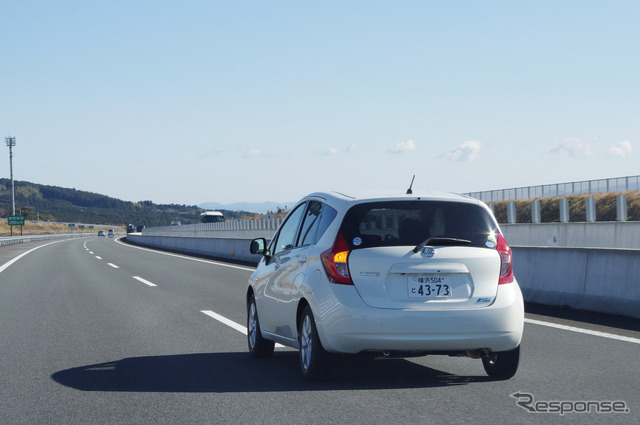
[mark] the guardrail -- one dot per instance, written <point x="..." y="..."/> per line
<point x="12" y="240"/>
<point x="617" y="184"/>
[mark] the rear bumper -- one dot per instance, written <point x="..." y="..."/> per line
<point x="350" y="326"/>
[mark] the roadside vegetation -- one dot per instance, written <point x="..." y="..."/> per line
<point x="550" y="208"/>
<point x="45" y="228"/>
<point x="56" y="204"/>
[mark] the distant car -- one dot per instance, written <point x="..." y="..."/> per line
<point x="130" y="228"/>
<point x="390" y="276"/>
<point x="139" y="229"/>
<point x="101" y="233"/>
<point x="175" y="223"/>
<point x="111" y="233"/>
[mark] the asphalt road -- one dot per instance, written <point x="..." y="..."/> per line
<point x="86" y="338"/>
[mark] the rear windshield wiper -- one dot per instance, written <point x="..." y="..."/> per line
<point x="441" y="241"/>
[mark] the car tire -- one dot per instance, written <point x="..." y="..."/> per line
<point x="315" y="361"/>
<point x="259" y="347"/>
<point x="502" y="365"/>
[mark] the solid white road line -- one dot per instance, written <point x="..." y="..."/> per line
<point x="10" y="262"/>
<point x="583" y="331"/>
<point x="230" y="323"/>
<point x="146" y="282"/>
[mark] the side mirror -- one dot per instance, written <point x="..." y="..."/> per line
<point x="259" y="247"/>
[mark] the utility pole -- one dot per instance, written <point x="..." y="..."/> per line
<point x="11" y="142"/>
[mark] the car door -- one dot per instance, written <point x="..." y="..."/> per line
<point x="273" y="277"/>
<point x="293" y="273"/>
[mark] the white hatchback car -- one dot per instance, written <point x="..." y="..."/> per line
<point x="396" y="276"/>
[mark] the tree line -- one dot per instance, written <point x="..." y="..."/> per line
<point x="53" y="203"/>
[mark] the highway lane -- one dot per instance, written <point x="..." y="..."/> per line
<point x="84" y="341"/>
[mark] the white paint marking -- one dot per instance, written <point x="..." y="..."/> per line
<point x="113" y="265"/>
<point x="91" y="252"/>
<point x="584" y="331"/>
<point x="99" y="258"/>
<point x="226" y="321"/>
<point x="146" y="282"/>
<point x="230" y="323"/>
<point x="10" y="262"/>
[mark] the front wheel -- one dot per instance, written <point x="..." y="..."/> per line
<point x="259" y="347"/>
<point x="503" y="364"/>
<point x="315" y="361"/>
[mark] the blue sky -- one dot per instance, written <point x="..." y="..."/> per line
<point x="226" y="101"/>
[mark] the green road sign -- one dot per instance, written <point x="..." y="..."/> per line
<point x="72" y="225"/>
<point x="81" y="226"/>
<point x="15" y="220"/>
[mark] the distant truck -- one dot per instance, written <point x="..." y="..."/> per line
<point x="212" y="217"/>
<point x="131" y="228"/>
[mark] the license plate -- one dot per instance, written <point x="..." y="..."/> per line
<point x="429" y="286"/>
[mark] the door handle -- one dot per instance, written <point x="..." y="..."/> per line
<point x="302" y="259"/>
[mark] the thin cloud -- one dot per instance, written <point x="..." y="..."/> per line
<point x="621" y="149"/>
<point x="253" y="153"/>
<point x="404" y="147"/>
<point x="332" y="151"/>
<point x="571" y="148"/>
<point x="212" y="154"/>
<point x="466" y="152"/>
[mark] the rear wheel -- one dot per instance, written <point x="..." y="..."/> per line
<point x="315" y="361"/>
<point x="258" y="346"/>
<point x="503" y="364"/>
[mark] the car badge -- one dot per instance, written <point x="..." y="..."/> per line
<point x="428" y="252"/>
<point x="357" y="241"/>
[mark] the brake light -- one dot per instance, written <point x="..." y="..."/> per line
<point x="506" y="261"/>
<point x="335" y="263"/>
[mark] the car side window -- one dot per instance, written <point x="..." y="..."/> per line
<point x="327" y="217"/>
<point x="310" y="224"/>
<point x="287" y="234"/>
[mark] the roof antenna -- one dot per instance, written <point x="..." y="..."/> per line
<point x="409" y="191"/>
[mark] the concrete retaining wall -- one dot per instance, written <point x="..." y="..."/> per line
<point x="599" y="280"/>
<point x="580" y="235"/>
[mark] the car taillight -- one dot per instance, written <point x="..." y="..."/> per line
<point x="335" y="263"/>
<point x="506" y="263"/>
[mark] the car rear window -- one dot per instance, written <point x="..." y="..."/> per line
<point x="400" y="223"/>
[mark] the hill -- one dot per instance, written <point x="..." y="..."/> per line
<point x="52" y="203"/>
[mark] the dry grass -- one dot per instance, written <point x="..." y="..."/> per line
<point x="606" y="209"/>
<point x="44" y="228"/>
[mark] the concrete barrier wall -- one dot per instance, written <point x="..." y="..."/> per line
<point x="578" y="235"/>
<point x="599" y="280"/>
<point x="595" y="279"/>
<point x="224" y="248"/>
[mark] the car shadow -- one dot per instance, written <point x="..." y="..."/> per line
<point x="238" y="372"/>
